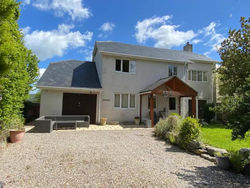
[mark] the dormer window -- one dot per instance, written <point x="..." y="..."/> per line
<point x="172" y="70"/>
<point x="126" y="66"/>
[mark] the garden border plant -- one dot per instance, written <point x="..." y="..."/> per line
<point x="186" y="134"/>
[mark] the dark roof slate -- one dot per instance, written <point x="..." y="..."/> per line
<point x="71" y="73"/>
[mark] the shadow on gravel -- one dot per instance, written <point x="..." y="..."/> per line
<point x="212" y="176"/>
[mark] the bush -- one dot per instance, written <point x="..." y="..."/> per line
<point x="161" y="128"/>
<point x="208" y="112"/>
<point x="171" y="124"/>
<point x="237" y="162"/>
<point x="189" y="131"/>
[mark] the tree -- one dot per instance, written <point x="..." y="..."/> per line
<point x="234" y="77"/>
<point x="21" y="63"/>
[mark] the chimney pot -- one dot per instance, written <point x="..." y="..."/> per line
<point x="188" y="47"/>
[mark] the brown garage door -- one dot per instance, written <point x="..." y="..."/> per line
<point x="80" y="104"/>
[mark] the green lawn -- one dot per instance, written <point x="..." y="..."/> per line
<point x="218" y="136"/>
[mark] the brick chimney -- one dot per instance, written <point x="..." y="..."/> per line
<point x="188" y="47"/>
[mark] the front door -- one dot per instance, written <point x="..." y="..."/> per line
<point x="80" y="104"/>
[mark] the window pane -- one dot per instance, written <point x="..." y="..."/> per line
<point x="189" y="75"/>
<point x="118" y="65"/>
<point x="170" y="70"/>
<point x="172" y="103"/>
<point x="124" y="100"/>
<point x="132" y="66"/>
<point x="117" y="100"/>
<point x="194" y="76"/>
<point x="132" y="101"/>
<point x="199" y="75"/>
<point x="175" y="70"/>
<point x="125" y="66"/>
<point x="205" y="76"/>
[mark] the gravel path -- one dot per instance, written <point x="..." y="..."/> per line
<point x="117" y="158"/>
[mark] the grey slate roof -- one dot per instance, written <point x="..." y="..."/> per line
<point x="72" y="73"/>
<point x="150" y="52"/>
<point x="156" y="84"/>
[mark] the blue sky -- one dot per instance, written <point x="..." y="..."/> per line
<point x="67" y="29"/>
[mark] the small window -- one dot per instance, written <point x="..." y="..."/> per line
<point x="132" y="101"/>
<point x="125" y="66"/>
<point x="172" y="103"/>
<point x="118" y="65"/>
<point x="189" y="75"/>
<point x="199" y="76"/>
<point x="172" y="70"/>
<point x="204" y="76"/>
<point x="194" y="75"/>
<point x="132" y="67"/>
<point x="124" y="100"/>
<point x="154" y="99"/>
<point x="117" y="101"/>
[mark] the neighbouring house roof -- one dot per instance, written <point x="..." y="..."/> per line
<point x="70" y="74"/>
<point x="150" y="52"/>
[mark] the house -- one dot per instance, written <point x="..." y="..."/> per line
<point x="125" y="81"/>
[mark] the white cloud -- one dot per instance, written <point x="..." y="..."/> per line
<point x="26" y="2"/>
<point x="87" y="53"/>
<point x="41" y="72"/>
<point x="74" y="8"/>
<point x="25" y="30"/>
<point x="162" y="32"/>
<point x="214" y="39"/>
<point x="230" y="15"/>
<point x="107" y="27"/>
<point x="47" y="44"/>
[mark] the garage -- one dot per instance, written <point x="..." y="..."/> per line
<point x="80" y="104"/>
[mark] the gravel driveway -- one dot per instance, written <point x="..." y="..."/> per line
<point x="117" y="158"/>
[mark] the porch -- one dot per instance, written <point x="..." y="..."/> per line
<point x="170" y="90"/>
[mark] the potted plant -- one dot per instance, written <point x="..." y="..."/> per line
<point x="222" y="160"/>
<point x="103" y="121"/>
<point x="137" y="120"/>
<point x="16" y="129"/>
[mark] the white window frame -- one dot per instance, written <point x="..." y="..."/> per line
<point x="130" y="63"/>
<point x="120" y="94"/>
<point x="173" y="69"/>
<point x="202" y="77"/>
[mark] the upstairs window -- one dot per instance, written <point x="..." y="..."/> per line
<point x="125" y="66"/>
<point x="118" y="63"/>
<point x="200" y="76"/>
<point x="172" y="70"/>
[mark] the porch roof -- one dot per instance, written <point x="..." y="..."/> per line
<point x="173" y="84"/>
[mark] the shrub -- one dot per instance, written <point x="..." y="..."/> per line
<point x="208" y="112"/>
<point x="171" y="124"/>
<point x="237" y="162"/>
<point x="161" y="128"/>
<point x="189" y="131"/>
<point x="174" y="122"/>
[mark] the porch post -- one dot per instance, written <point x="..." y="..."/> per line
<point x="194" y="106"/>
<point x="152" y="109"/>
<point x="180" y="105"/>
<point x="140" y="107"/>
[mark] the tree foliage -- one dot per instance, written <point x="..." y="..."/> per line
<point x="21" y="63"/>
<point x="234" y="77"/>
